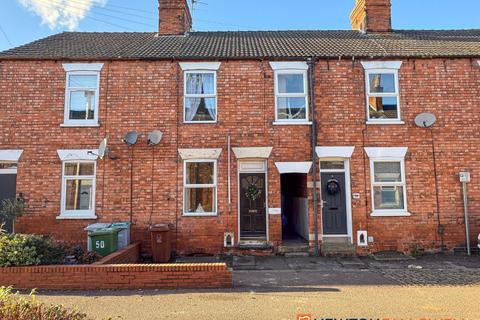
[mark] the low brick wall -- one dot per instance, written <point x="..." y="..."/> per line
<point x="127" y="276"/>
<point x="130" y="254"/>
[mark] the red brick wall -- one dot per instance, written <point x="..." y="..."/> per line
<point x="143" y="96"/>
<point x="129" y="254"/>
<point x="94" y="277"/>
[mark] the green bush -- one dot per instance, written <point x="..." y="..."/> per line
<point x="28" y="250"/>
<point x="15" y="307"/>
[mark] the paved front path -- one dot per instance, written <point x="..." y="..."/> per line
<point x="445" y="287"/>
<point x="428" y="270"/>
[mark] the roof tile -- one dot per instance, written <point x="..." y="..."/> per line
<point x="251" y="45"/>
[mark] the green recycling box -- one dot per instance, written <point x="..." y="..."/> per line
<point x="104" y="241"/>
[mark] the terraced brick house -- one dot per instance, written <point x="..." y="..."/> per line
<point x="272" y="140"/>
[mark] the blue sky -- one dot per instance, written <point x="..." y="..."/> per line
<point x="19" y="24"/>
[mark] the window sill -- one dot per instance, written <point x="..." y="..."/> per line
<point x="76" y="217"/>
<point x="200" y="214"/>
<point x="391" y="214"/>
<point x="385" y="122"/>
<point x="79" y="125"/>
<point x="199" y="122"/>
<point x="285" y="123"/>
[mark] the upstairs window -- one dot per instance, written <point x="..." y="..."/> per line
<point x="291" y="97"/>
<point x="82" y="94"/>
<point x="200" y="97"/>
<point x="200" y="91"/>
<point x="383" y="101"/>
<point x="291" y="94"/>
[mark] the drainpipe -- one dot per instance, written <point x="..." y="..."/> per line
<point x="464" y="178"/>
<point x="311" y="78"/>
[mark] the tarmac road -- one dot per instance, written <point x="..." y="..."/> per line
<point x="436" y="287"/>
<point x="282" y="295"/>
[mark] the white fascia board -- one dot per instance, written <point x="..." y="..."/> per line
<point x="293" y="167"/>
<point x="367" y="65"/>
<point x="393" y="152"/>
<point x="68" y="67"/>
<point x="10" y="155"/>
<point x="191" y="154"/>
<point x="253" y="152"/>
<point x="211" y="66"/>
<point x="334" y="152"/>
<point x="289" y="65"/>
<point x="83" y="154"/>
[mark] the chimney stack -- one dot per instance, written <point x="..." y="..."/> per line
<point x="372" y="16"/>
<point x="174" y="17"/>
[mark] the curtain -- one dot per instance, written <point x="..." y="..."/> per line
<point x="208" y="87"/>
<point x="194" y="86"/>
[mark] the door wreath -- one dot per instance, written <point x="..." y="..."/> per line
<point x="253" y="189"/>
<point x="333" y="187"/>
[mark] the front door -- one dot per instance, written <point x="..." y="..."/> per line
<point x="334" y="203"/>
<point x="8" y="184"/>
<point x="252" y="205"/>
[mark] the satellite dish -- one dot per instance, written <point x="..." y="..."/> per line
<point x="103" y="148"/>
<point x="103" y="151"/>
<point x="131" y="138"/>
<point x="154" y="137"/>
<point x="425" y="120"/>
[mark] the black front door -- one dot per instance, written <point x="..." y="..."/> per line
<point x="8" y="185"/>
<point x="252" y="205"/>
<point x="334" y="204"/>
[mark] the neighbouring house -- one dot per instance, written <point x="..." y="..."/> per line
<point x="271" y="139"/>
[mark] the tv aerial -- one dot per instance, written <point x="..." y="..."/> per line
<point x="131" y="138"/>
<point x="425" y="120"/>
<point x="154" y="138"/>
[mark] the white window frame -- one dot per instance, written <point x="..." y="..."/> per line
<point x="382" y="67"/>
<point x="395" y="154"/>
<point x="292" y="95"/>
<point x="197" y="186"/>
<point x="199" y="67"/>
<point x="77" y="214"/>
<point x="73" y="69"/>
<point x="190" y="95"/>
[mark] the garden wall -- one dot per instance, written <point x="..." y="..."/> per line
<point x="125" y="276"/>
<point x="129" y="254"/>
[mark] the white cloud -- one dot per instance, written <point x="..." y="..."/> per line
<point x="64" y="14"/>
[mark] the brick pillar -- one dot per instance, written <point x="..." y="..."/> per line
<point x="372" y="16"/>
<point x="174" y="17"/>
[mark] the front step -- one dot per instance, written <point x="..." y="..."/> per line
<point x="338" y="249"/>
<point x="296" y="254"/>
<point x="297" y="250"/>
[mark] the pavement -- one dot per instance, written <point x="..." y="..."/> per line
<point x="432" y="287"/>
